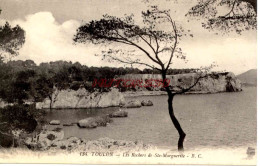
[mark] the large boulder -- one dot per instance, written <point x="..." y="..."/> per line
<point x="147" y="103"/>
<point x="133" y="104"/>
<point x="87" y="123"/>
<point x="93" y="122"/>
<point x="118" y="114"/>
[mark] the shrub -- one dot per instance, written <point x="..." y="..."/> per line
<point x="18" y="117"/>
<point x="51" y="137"/>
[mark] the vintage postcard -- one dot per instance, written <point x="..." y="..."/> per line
<point x="128" y="82"/>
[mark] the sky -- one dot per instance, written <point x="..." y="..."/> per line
<point x="51" y="24"/>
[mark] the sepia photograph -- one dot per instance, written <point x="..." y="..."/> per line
<point x="128" y="82"/>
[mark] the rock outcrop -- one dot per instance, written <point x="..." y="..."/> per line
<point x="211" y="83"/>
<point x="82" y="99"/>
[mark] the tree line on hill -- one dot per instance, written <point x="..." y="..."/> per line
<point x="24" y="80"/>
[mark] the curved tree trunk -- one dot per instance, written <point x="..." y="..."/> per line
<point x="176" y="124"/>
<point x="171" y="113"/>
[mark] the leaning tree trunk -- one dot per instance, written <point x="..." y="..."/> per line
<point x="171" y="113"/>
<point x="176" y="123"/>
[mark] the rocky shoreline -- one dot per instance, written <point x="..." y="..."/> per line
<point x="44" y="138"/>
<point x="54" y="140"/>
<point x="81" y="98"/>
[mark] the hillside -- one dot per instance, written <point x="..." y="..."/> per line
<point x="249" y="77"/>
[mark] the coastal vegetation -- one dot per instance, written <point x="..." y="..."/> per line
<point x="24" y="80"/>
<point x="24" y="83"/>
<point x="226" y="15"/>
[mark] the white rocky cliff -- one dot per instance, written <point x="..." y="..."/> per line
<point x="211" y="83"/>
<point x="82" y="99"/>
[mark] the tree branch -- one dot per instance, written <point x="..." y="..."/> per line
<point x="132" y="62"/>
<point x="149" y="44"/>
<point x="175" y="41"/>
<point x="232" y="9"/>
<point x="134" y="44"/>
<point x="157" y="49"/>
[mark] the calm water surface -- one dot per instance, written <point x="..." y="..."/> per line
<point x="209" y="120"/>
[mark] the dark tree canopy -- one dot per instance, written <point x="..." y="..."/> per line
<point x="150" y="38"/>
<point x="227" y="15"/>
<point x="11" y="39"/>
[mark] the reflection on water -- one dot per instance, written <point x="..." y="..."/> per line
<point x="209" y="120"/>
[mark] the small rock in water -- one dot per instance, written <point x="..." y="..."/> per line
<point x="94" y="122"/>
<point x="118" y="114"/>
<point x="103" y="120"/>
<point x="133" y="104"/>
<point x="147" y="103"/>
<point x="55" y="122"/>
<point x="87" y="123"/>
